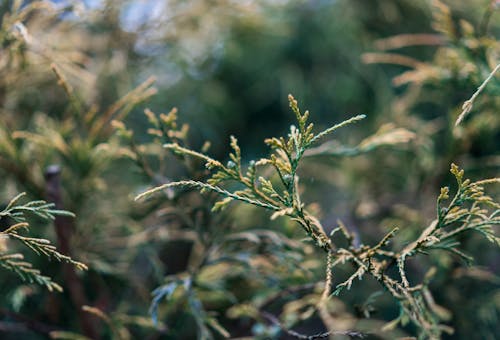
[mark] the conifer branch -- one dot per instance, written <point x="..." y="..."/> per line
<point x="466" y="211"/>
<point x="15" y="262"/>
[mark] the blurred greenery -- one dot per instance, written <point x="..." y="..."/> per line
<point x="75" y="80"/>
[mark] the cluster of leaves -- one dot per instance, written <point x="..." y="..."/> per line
<point x="467" y="211"/>
<point x="75" y="133"/>
<point x="459" y="54"/>
<point x="280" y="193"/>
<point x="53" y="117"/>
<point x="457" y="39"/>
<point x="260" y="191"/>
<point x="221" y="254"/>
<point x="466" y="52"/>
<point x="17" y="212"/>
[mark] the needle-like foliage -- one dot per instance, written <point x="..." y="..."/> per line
<point x="219" y="247"/>
<point x="469" y="210"/>
<point x="283" y="197"/>
<point x="15" y="262"/>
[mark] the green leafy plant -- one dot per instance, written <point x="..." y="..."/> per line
<point x="459" y="54"/>
<point x="377" y="246"/>
<point x="15" y="262"/>
<point x="280" y="193"/>
<point x="220" y="253"/>
<point x="258" y="190"/>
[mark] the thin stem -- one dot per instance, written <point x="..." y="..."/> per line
<point x="335" y="127"/>
<point x="467" y="106"/>
<point x="201" y="185"/>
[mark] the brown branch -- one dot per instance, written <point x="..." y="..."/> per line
<point x="323" y="335"/>
<point x="64" y="229"/>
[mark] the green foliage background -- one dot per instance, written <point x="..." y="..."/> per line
<point x="75" y="79"/>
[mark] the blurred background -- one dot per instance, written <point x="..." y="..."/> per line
<point x="68" y="69"/>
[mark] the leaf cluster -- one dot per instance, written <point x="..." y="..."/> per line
<point x="18" y="212"/>
<point x="467" y="211"/>
<point x="283" y="197"/>
<point x="222" y="253"/>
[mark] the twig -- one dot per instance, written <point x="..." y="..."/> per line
<point x="467" y="106"/>
<point x="274" y="320"/>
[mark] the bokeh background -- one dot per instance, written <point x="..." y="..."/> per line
<point x="228" y="67"/>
